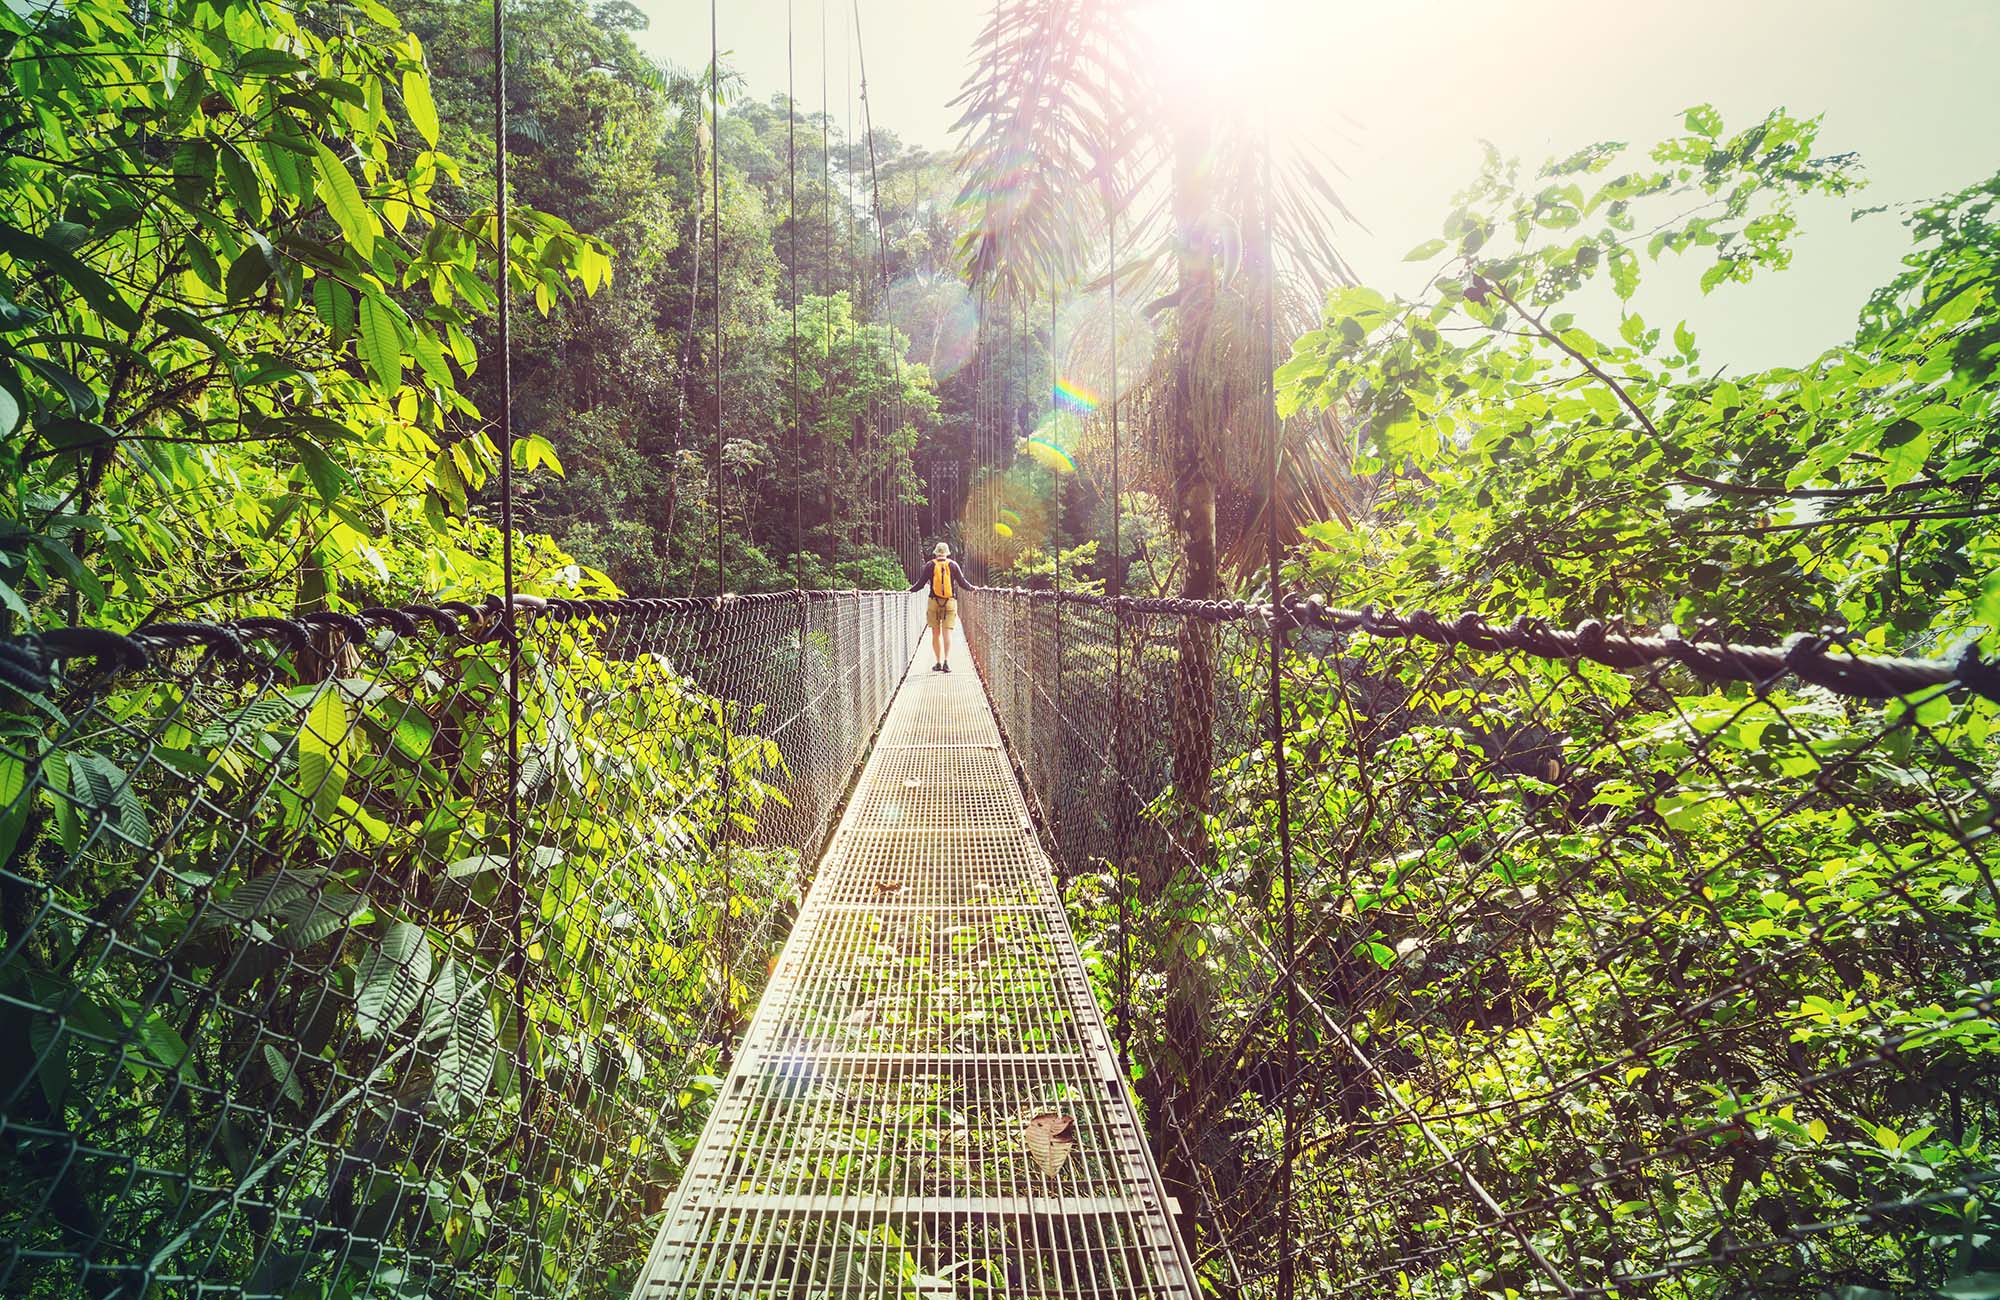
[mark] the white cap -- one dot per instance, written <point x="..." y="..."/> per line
<point x="940" y="550"/>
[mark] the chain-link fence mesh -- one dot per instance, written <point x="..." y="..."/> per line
<point x="1617" y="965"/>
<point x="293" y="1005"/>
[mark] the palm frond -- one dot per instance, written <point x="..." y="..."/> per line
<point x="1050" y="120"/>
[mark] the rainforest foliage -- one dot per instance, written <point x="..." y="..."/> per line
<point x="1690" y="977"/>
<point x="247" y="268"/>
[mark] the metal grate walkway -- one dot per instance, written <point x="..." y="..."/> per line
<point x="926" y="1104"/>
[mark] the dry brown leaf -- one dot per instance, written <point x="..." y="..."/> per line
<point x="1050" y="1138"/>
<point x="883" y="888"/>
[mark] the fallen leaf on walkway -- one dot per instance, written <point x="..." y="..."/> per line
<point x="883" y="888"/>
<point x="862" y="1016"/>
<point x="1050" y="1138"/>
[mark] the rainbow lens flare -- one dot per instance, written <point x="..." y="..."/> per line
<point x="1049" y="455"/>
<point x="1072" y="396"/>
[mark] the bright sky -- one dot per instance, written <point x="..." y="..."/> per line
<point x="1400" y="94"/>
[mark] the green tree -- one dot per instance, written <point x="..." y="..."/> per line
<point x="1531" y="464"/>
<point x="238" y="313"/>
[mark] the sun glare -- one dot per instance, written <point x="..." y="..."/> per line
<point x="1206" y="46"/>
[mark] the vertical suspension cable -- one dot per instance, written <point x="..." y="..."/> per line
<point x="715" y="275"/>
<point x="883" y="493"/>
<point x="792" y="203"/>
<point x="976" y="453"/>
<point x="1055" y="559"/>
<point x="721" y="705"/>
<point x="826" y="264"/>
<point x="861" y="436"/>
<point x="517" y="957"/>
<point x="1120" y="830"/>
<point x="1274" y="555"/>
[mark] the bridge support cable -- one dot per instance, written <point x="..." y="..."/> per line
<point x="927" y="1099"/>
<point x="1274" y="558"/>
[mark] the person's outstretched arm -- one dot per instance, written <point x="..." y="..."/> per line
<point x="923" y="579"/>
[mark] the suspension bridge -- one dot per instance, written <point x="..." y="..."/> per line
<point x="312" y="979"/>
<point x="927" y="1100"/>
<point x="542" y="948"/>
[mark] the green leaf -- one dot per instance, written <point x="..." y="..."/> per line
<point x="13" y="778"/>
<point x="243" y="183"/>
<point x="13" y="316"/>
<point x="465" y="1060"/>
<point x="1904" y="460"/>
<point x="93" y="288"/>
<point x="284" y="1075"/>
<point x="476" y="865"/>
<point x="322" y="747"/>
<point x="335" y="304"/>
<point x="534" y="451"/>
<point x="328" y="477"/>
<point x="1960" y="307"/>
<point x="160" y="1041"/>
<point x="13" y="401"/>
<point x="1703" y="120"/>
<point x="101" y="788"/>
<point x="246" y="722"/>
<point x="1428" y="249"/>
<point x="13" y="820"/>
<point x="312" y="919"/>
<point x="391" y="979"/>
<point x="81" y="399"/>
<point x="267" y="62"/>
<point x="247" y="274"/>
<point x="266" y="895"/>
<point x="422" y="108"/>
<point x="176" y="321"/>
<point x="429" y="353"/>
<point x="343" y="200"/>
<point x="382" y="341"/>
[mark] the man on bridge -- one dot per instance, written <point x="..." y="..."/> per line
<point x="945" y="579"/>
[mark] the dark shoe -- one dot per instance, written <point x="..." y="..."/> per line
<point x="937" y="668"/>
<point x="946" y="667"/>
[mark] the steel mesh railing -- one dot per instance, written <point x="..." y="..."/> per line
<point x="293" y="1005"/>
<point x="1620" y="966"/>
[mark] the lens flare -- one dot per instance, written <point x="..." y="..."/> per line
<point x="1048" y="454"/>
<point x="1018" y="507"/>
<point x="1074" y="397"/>
<point x="1087" y="329"/>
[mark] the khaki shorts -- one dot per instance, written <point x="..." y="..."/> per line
<point x="941" y="614"/>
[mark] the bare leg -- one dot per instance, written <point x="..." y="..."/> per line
<point x="947" y="646"/>
<point x="937" y="643"/>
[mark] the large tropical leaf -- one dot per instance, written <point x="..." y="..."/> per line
<point x="391" y="979"/>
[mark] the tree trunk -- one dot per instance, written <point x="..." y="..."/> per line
<point x="1178" y="883"/>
